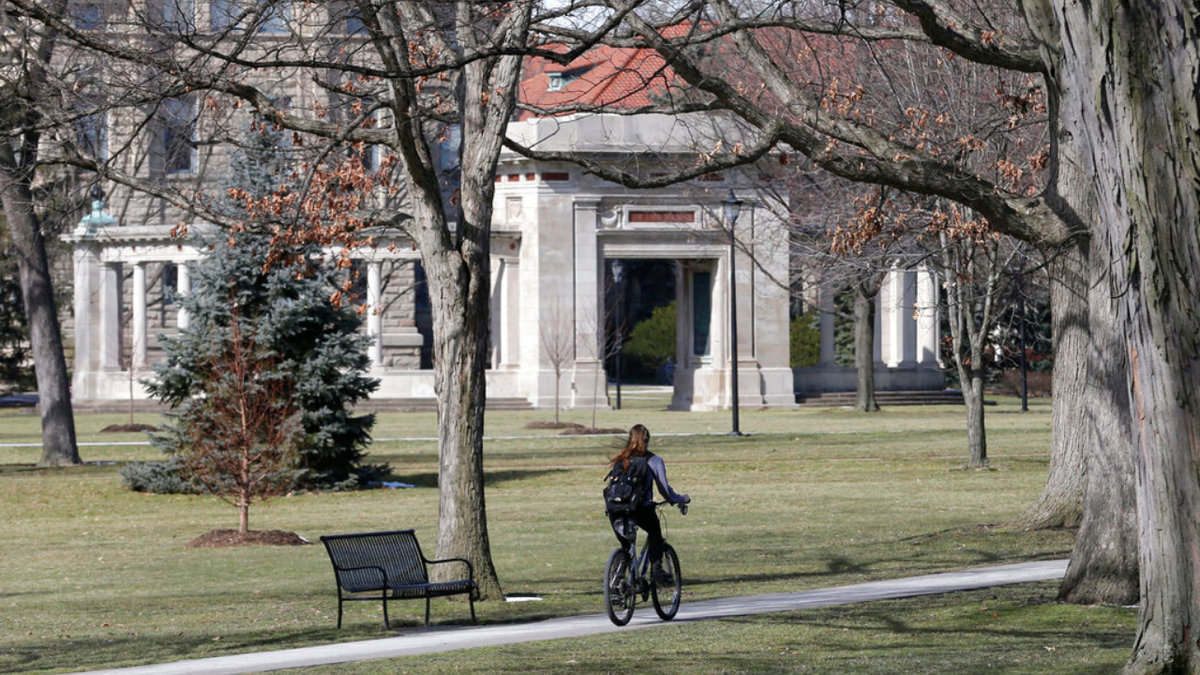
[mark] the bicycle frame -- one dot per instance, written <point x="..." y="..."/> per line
<point x="640" y="568"/>
<point x="623" y="586"/>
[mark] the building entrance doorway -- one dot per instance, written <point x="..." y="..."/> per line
<point x="641" y="308"/>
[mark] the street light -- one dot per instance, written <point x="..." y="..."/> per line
<point x="732" y="206"/>
<point x="618" y="281"/>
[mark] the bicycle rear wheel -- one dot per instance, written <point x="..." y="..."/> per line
<point x="619" y="596"/>
<point x="668" y="594"/>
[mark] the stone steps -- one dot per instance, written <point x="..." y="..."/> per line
<point x="883" y="398"/>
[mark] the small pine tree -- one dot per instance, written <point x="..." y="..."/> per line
<point x="315" y="346"/>
<point x="15" y="372"/>
<point x="284" y="310"/>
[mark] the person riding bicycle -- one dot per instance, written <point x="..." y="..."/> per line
<point x="637" y="450"/>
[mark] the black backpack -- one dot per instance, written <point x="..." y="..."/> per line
<point x="625" y="489"/>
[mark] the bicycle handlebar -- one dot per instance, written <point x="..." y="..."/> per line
<point x="683" y="508"/>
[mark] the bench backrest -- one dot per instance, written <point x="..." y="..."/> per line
<point x="398" y="553"/>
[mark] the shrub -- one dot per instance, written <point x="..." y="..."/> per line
<point x="651" y="342"/>
<point x="163" y="478"/>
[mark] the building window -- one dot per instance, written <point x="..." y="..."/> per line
<point x="274" y="19"/>
<point x="87" y="16"/>
<point x="170" y="282"/>
<point x="224" y="14"/>
<point x="228" y="15"/>
<point x="701" y="312"/>
<point x="91" y="134"/>
<point x="372" y="156"/>
<point x="448" y="147"/>
<point x="178" y="15"/>
<point x="179" y="136"/>
<point x="561" y="79"/>
<point x="348" y="16"/>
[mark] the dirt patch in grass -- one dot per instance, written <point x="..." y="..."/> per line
<point x="553" y="425"/>
<point x="126" y="428"/>
<point x="593" y="431"/>
<point x="227" y="538"/>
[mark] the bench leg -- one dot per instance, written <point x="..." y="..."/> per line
<point x="339" y="607"/>
<point x="426" y="611"/>
<point x="471" y="598"/>
<point x="387" y="625"/>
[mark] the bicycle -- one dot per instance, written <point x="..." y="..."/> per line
<point x="624" y="582"/>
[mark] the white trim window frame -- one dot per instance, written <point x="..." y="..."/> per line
<point x="178" y="136"/>
<point x="91" y="135"/>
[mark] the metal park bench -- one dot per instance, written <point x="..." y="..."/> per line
<point x="390" y="566"/>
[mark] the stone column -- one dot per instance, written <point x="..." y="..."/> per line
<point x="85" y="260"/>
<point x="880" y="309"/>
<point x="495" y="310"/>
<point x="928" y="319"/>
<point x="587" y="380"/>
<point x="375" y="312"/>
<point x="828" y="347"/>
<point x="183" y="286"/>
<point x="510" y="314"/>
<point x="138" y="333"/>
<point x="894" y="322"/>
<point x="110" y="316"/>
<point x="588" y="310"/>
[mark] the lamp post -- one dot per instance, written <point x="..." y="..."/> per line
<point x="1021" y="319"/>
<point x="731" y="207"/>
<point x="618" y="281"/>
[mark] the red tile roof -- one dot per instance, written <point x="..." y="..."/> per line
<point x="605" y="76"/>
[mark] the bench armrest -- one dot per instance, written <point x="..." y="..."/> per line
<point x="377" y="568"/>
<point x="470" y="567"/>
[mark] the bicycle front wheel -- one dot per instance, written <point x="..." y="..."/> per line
<point x="619" y="594"/>
<point x="668" y="593"/>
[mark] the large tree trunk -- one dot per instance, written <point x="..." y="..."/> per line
<point x="1104" y="565"/>
<point x="1135" y="67"/>
<point x="1060" y="504"/>
<point x="458" y="272"/>
<point x="972" y="391"/>
<point x="460" y="350"/>
<point x="864" y="348"/>
<point x="50" y="366"/>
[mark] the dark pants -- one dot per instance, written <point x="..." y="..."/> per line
<point x="647" y="519"/>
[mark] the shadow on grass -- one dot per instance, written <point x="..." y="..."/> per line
<point x="143" y="649"/>
<point x="82" y="469"/>
<point x="429" y="479"/>
<point x="883" y="567"/>
<point x="156" y="648"/>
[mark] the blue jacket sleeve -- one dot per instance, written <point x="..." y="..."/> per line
<point x="659" y="468"/>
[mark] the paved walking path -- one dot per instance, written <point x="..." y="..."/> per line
<point x="428" y="641"/>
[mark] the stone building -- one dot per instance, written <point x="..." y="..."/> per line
<point x="555" y="233"/>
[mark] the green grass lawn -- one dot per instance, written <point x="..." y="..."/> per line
<point x="94" y="576"/>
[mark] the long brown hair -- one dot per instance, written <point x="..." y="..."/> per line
<point x="636" y="446"/>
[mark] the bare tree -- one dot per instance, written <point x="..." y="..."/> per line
<point x="27" y="89"/>
<point x="557" y="338"/>
<point x="401" y="74"/>
<point x="607" y="340"/>
<point x="731" y="57"/>
<point x="971" y="268"/>
<point x="246" y="433"/>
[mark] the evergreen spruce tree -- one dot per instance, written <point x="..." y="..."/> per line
<point x="15" y="373"/>
<point x="285" y="313"/>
